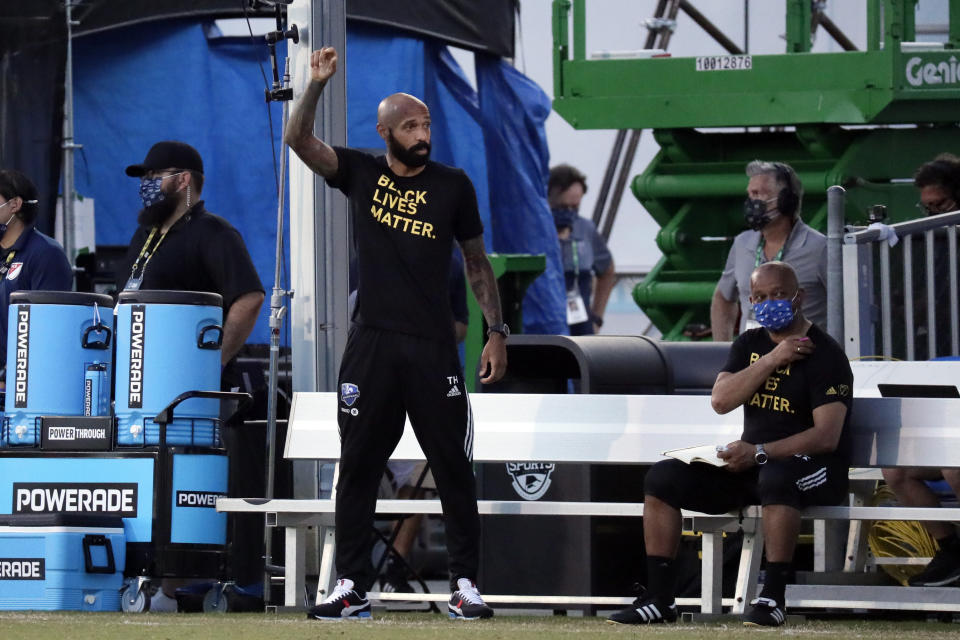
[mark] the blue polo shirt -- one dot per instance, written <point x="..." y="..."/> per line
<point x="38" y="263"/>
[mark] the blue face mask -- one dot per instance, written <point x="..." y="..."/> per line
<point x="774" y="315"/>
<point x="150" y="192"/>
<point x="564" y="217"/>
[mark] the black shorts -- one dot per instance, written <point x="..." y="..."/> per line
<point x="799" y="481"/>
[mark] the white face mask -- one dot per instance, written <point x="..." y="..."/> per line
<point x="3" y="225"/>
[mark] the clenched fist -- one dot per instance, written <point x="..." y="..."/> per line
<point x="323" y="64"/>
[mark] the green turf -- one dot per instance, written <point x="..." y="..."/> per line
<point x="419" y="626"/>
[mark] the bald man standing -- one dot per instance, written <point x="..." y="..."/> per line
<point x="401" y="356"/>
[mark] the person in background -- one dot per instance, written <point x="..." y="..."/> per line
<point x="939" y="185"/>
<point x="29" y="260"/>
<point x="181" y="246"/>
<point x="772" y="211"/>
<point x="587" y="264"/>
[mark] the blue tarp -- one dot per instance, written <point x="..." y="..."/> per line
<point x="169" y="80"/>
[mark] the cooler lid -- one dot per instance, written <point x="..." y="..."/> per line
<point x="86" y="520"/>
<point x="61" y="297"/>
<point x="162" y="296"/>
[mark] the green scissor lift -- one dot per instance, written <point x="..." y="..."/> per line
<point x="861" y="119"/>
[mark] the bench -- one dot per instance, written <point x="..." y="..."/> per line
<point x="614" y="429"/>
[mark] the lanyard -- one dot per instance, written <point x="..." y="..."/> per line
<point x="778" y="257"/>
<point x="575" y="257"/>
<point x="144" y="252"/>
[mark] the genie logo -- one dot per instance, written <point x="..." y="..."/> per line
<point x="921" y="74"/>
<point x="530" y="479"/>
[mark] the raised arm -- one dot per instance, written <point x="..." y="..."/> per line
<point x="493" y="360"/>
<point x="314" y="152"/>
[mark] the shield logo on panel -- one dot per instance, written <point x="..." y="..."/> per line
<point x="349" y="393"/>
<point x="530" y="479"/>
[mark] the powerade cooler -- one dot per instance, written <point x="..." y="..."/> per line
<point x="168" y="342"/>
<point x="52" y="337"/>
<point x="60" y="561"/>
<point x="158" y="476"/>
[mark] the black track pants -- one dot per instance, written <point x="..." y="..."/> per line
<point x="385" y="376"/>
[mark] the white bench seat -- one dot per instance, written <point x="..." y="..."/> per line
<point x="611" y="429"/>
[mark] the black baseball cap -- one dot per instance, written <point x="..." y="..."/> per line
<point x="168" y="154"/>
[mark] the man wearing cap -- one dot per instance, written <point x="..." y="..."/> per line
<point x="179" y="245"/>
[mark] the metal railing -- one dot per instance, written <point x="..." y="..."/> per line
<point x="895" y="317"/>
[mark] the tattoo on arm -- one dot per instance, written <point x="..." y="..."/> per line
<point x="304" y="111"/>
<point x="315" y="153"/>
<point x="481" y="278"/>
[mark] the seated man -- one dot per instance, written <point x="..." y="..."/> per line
<point x="794" y="383"/>
<point x="912" y="491"/>
<point x="939" y="185"/>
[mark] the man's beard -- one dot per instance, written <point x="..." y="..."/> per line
<point x="157" y="213"/>
<point x="409" y="157"/>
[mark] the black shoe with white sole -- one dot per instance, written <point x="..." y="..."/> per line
<point x="645" y="610"/>
<point x="764" y="612"/>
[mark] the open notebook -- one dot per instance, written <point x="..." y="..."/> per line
<point x="706" y="453"/>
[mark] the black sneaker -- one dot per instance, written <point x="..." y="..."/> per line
<point x="943" y="569"/>
<point x="343" y="604"/>
<point x="466" y="603"/>
<point x="764" y="612"/>
<point x="395" y="583"/>
<point x="645" y="610"/>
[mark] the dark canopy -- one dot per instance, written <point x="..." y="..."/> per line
<point x="33" y="58"/>
<point x="481" y="26"/>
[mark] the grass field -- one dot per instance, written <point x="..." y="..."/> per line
<point x="419" y="626"/>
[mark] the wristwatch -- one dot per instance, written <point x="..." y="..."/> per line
<point x="761" y="455"/>
<point x="501" y="328"/>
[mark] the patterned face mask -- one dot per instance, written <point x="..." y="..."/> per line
<point x="774" y="315"/>
<point x="564" y="216"/>
<point x="150" y="192"/>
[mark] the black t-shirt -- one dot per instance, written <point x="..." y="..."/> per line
<point x="404" y="230"/>
<point x="783" y="405"/>
<point x="201" y="252"/>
